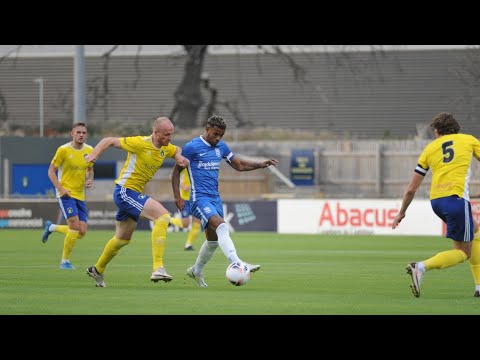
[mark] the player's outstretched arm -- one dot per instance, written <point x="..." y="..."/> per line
<point x="247" y="165"/>
<point x="412" y="188"/>
<point x="179" y="158"/>
<point x="103" y="145"/>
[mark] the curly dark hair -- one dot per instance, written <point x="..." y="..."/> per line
<point x="445" y="124"/>
<point x="216" y="121"/>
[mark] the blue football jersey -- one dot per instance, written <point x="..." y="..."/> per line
<point x="204" y="165"/>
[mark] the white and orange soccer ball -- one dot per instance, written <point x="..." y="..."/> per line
<point x="238" y="273"/>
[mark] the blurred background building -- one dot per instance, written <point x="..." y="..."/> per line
<point x="359" y="115"/>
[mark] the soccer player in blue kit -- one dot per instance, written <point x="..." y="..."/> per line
<point x="204" y="154"/>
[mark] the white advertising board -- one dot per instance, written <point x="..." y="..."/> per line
<point x="356" y="217"/>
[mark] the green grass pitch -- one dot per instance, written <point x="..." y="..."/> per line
<point x="300" y="275"/>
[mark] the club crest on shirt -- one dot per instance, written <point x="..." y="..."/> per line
<point x="217" y="152"/>
<point x="162" y="154"/>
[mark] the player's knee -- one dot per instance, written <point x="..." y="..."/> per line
<point x="223" y="227"/>
<point x="165" y="218"/>
<point x="212" y="244"/>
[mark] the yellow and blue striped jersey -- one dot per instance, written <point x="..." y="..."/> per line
<point x="450" y="157"/>
<point x="72" y="169"/>
<point x="143" y="161"/>
<point x="184" y="184"/>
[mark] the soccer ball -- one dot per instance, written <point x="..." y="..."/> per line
<point x="238" y="273"/>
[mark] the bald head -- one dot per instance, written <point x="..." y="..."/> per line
<point x="162" y="123"/>
<point x="162" y="131"/>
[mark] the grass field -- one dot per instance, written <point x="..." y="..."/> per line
<point x="300" y="275"/>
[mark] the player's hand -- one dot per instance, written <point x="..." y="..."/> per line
<point x="90" y="158"/>
<point x="398" y="219"/>
<point x="64" y="193"/>
<point x="180" y="204"/>
<point x="182" y="161"/>
<point x="88" y="183"/>
<point x="269" y="162"/>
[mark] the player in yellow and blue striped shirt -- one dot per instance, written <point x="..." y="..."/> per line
<point x="146" y="155"/>
<point x="449" y="157"/>
<point x="70" y="175"/>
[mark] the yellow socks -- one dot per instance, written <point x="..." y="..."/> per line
<point x="475" y="258"/>
<point x="177" y="222"/>
<point x="109" y="252"/>
<point x="159" y="238"/>
<point x="61" y="229"/>
<point x="192" y="234"/>
<point x="445" y="259"/>
<point x="69" y="243"/>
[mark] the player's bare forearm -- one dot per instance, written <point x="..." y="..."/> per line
<point x="90" y="174"/>
<point x="103" y="145"/>
<point x="53" y="178"/>
<point x="244" y="165"/>
<point x="179" y="202"/>
<point x="61" y="190"/>
<point x="176" y="181"/>
<point x="89" y="178"/>
<point x="412" y="188"/>
<point x="407" y="199"/>
<point x="179" y="159"/>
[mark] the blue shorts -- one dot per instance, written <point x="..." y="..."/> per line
<point x="129" y="202"/>
<point x="205" y="207"/>
<point x="456" y="213"/>
<point x="73" y="207"/>
<point x="186" y="210"/>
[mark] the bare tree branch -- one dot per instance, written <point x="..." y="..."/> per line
<point x="365" y="66"/>
<point x="469" y="74"/>
<point x="109" y="52"/>
<point x="298" y="71"/>
<point x="16" y="50"/>
<point x="106" y="88"/>
<point x="3" y="108"/>
<point x="188" y="97"/>
<point x="137" y="67"/>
